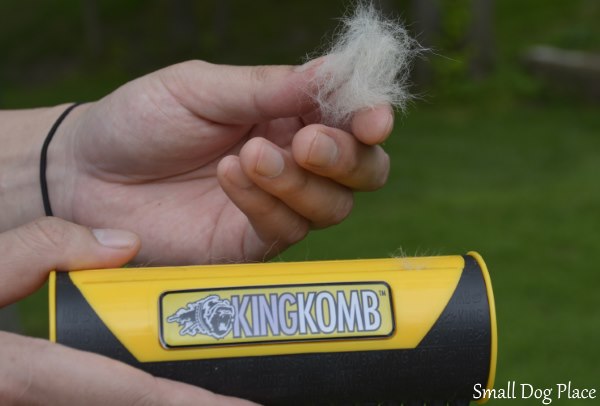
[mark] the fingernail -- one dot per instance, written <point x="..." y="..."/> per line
<point x="323" y="151"/>
<point x="270" y="162"/>
<point x="114" y="238"/>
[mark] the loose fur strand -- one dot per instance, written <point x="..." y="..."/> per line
<point x="367" y="64"/>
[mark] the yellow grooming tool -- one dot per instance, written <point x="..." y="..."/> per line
<point x="404" y="330"/>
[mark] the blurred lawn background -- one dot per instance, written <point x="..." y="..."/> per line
<point x="499" y="162"/>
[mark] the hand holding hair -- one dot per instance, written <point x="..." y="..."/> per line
<point x="211" y="163"/>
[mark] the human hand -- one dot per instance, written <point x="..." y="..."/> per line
<point x="37" y="372"/>
<point x="210" y="163"/>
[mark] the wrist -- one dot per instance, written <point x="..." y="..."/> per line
<point x="61" y="168"/>
<point x="22" y="133"/>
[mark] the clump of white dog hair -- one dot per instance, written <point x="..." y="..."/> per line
<point x="367" y="64"/>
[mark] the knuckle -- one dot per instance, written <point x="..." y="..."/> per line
<point x="259" y="74"/>
<point x="44" y="233"/>
<point x="267" y="207"/>
<point x="176" y="78"/>
<point x="351" y="167"/>
<point x="194" y="64"/>
<point x="147" y="398"/>
<point x="295" y="186"/>
<point x="343" y="208"/>
<point x="184" y="68"/>
<point x="338" y="211"/>
<point x="297" y="232"/>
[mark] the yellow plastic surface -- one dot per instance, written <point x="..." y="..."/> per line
<point x="127" y="300"/>
<point x="52" y="305"/>
<point x="493" y="322"/>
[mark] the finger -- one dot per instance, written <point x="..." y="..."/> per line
<point x="29" y="252"/>
<point x="337" y="155"/>
<point x="241" y="94"/>
<point x="373" y="125"/>
<point x="276" y="224"/>
<point x="36" y="372"/>
<point x="319" y="200"/>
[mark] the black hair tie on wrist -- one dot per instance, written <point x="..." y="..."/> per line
<point x="43" y="158"/>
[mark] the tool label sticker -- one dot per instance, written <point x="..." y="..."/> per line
<point x="226" y="316"/>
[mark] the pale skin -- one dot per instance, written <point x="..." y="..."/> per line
<point x="194" y="164"/>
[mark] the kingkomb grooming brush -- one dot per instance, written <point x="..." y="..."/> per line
<point x="403" y="330"/>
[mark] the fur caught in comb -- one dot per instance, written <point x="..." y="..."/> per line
<point x="366" y="65"/>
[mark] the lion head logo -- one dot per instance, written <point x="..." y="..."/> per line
<point x="211" y="316"/>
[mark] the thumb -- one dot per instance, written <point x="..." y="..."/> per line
<point x="242" y="94"/>
<point x="30" y="252"/>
